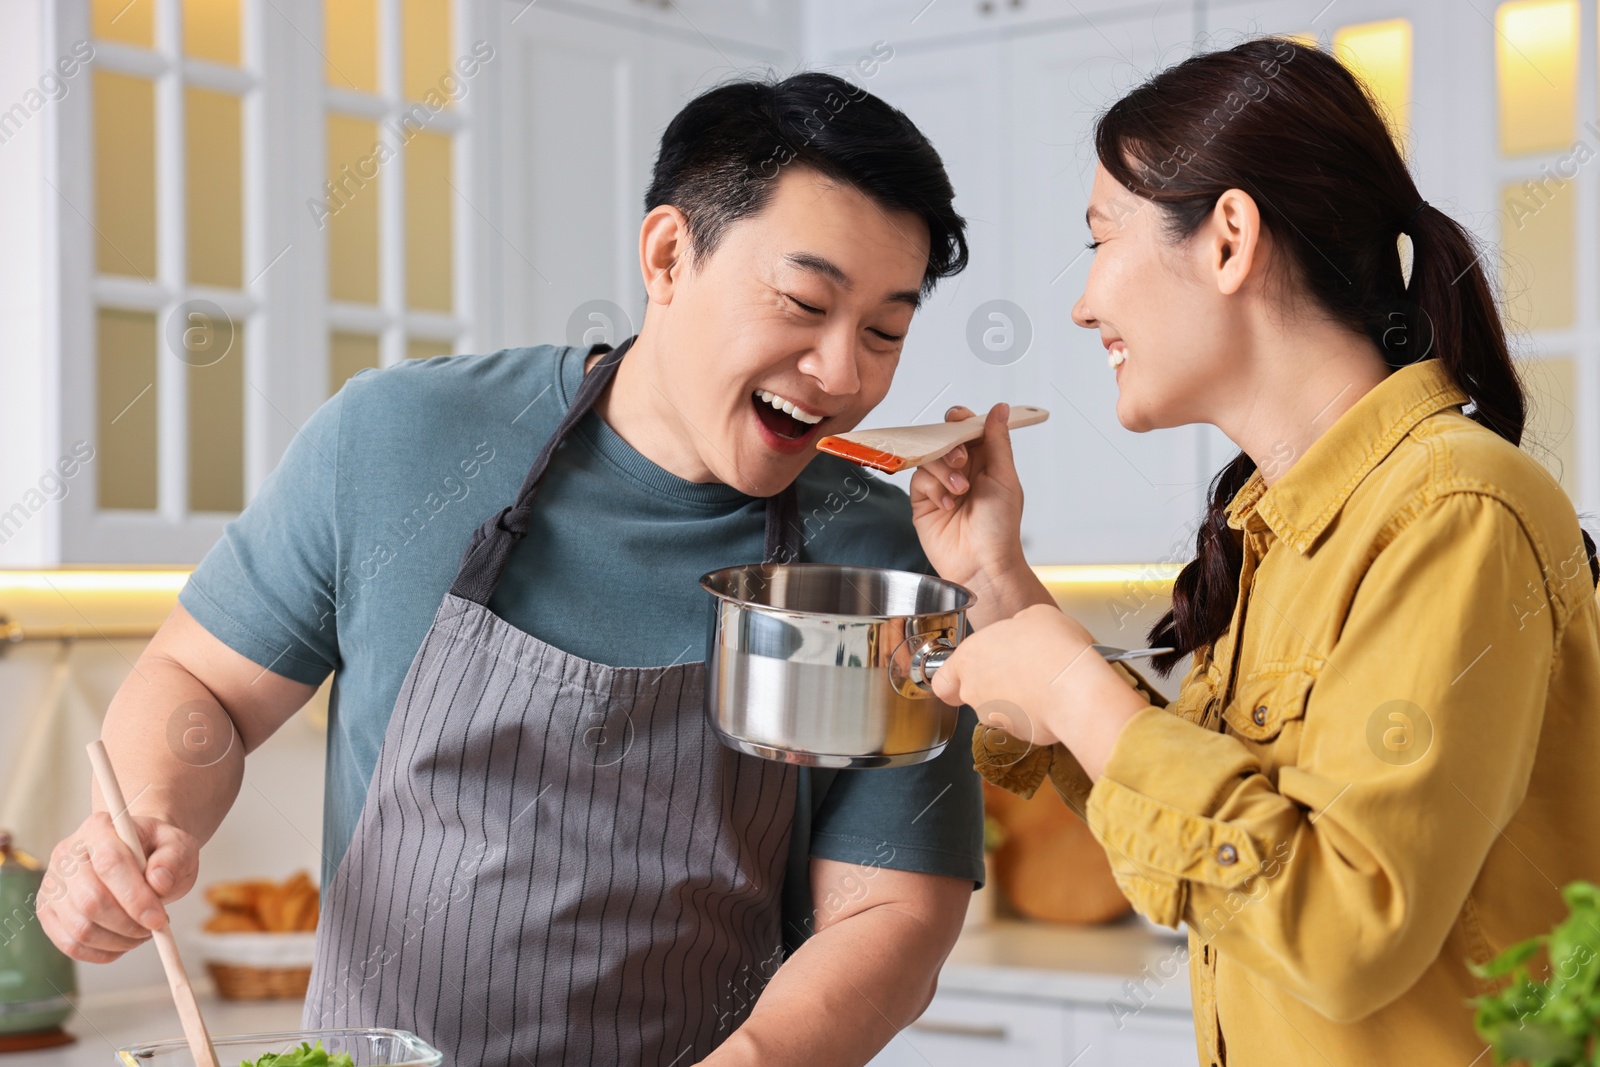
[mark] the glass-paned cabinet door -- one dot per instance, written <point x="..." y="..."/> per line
<point x="258" y="201"/>
<point x="1380" y="54"/>
<point x="396" y="84"/>
<point x="1544" y="126"/>
<point x="166" y="154"/>
<point x="1497" y="113"/>
<point x="1374" y="38"/>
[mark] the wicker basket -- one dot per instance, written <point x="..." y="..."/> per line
<point x="234" y="982"/>
<point x="259" y="966"/>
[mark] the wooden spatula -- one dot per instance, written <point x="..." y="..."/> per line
<point x="194" y="1027"/>
<point x="895" y="448"/>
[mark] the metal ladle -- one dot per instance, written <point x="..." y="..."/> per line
<point x="931" y="657"/>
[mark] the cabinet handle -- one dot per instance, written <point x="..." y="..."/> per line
<point x="987" y="1033"/>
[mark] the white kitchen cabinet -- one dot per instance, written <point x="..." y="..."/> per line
<point x="551" y="150"/>
<point x="961" y="1029"/>
<point x="954" y="97"/>
<point x="1098" y="492"/>
<point x="554" y="152"/>
<point x="1011" y="114"/>
<point x="1009" y="93"/>
<point x="763" y="24"/>
<point x="1450" y="130"/>
<point x="1034" y="994"/>
<point x="567" y="170"/>
<point x="585" y="105"/>
<point x="1150" y="1038"/>
<point x="836" y="24"/>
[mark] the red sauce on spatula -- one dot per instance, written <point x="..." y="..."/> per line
<point x="862" y="455"/>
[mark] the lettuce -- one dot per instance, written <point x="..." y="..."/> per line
<point x="304" y="1056"/>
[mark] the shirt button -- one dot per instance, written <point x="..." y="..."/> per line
<point x="1260" y="715"/>
<point x="1227" y="855"/>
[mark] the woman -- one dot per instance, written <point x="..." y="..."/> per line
<point x="1378" y="768"/>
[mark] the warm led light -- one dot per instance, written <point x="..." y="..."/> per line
<point x="1379" y="53"/>
<point x="1536" y="60"/>
<point x="171" y="581"/>
<point x="93" y="581"/>
<point x="1107" y="573"/>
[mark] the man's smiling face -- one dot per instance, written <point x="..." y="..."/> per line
<point x="789" y="330"/>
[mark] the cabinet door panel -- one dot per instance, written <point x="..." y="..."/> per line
<point x="585" y="108"/>
<point x="833" y="24"/>
<point x="771" y="24"/>
<point x="959" y="1029"/>
<point x="1451" y="122"/>
<point x="567" y="173"/>
<point x="1097" y="493"/>
<point x="670" y="73"/>
<point x="1228" y="22"/>
<point x="953" y="95"/>
<point x="1147" y="1039"/>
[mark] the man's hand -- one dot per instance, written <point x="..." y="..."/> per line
<point x="96" y="904"/>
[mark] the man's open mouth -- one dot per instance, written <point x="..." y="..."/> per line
<point x="782" y="416"/>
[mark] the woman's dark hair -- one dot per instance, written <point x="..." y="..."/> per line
<point x="720" y="155"/>
<point x="1291" y="126"/>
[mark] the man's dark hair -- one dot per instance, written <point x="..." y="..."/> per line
<point x="720" y="154"/>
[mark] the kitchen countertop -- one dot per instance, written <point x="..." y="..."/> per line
<point x="106" y="1022"/>
<point x="1130" y="960"/>
<point x="1007" y="958"/>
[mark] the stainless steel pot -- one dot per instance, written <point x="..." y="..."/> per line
<point x="829" y="666"/>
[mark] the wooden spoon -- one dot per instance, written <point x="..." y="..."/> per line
<point x="896" y="448"/>
<point x="194" y="1027"/>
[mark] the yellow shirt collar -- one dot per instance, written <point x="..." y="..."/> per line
<point x="1301" y="504"/>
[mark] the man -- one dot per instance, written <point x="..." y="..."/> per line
<point x="535" y="849"/>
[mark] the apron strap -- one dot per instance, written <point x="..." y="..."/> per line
<point x="782" y="542"/>
<point x="484" y="560"/>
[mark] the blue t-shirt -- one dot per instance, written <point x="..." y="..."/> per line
<point x="340" y="561"/>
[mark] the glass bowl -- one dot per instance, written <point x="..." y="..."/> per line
<point x="369" y="1047"/>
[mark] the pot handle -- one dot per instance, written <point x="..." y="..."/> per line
<point x="928" y="659"/>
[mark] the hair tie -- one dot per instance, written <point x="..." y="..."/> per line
<point x="1411" y="219"/>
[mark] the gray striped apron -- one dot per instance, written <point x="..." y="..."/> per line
<point x="557" y="862"/>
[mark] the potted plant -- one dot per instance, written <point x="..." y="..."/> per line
<point x="1555" y="1022"/>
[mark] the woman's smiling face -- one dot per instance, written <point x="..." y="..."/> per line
<point x="1159" y="310"/>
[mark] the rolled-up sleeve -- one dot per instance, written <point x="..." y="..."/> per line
<point x="1341" y="880"/>
<point x="269" y="588"/>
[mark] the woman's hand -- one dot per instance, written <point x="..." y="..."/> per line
<point x="1037" y="677"/>
<point x="967" y="508"/>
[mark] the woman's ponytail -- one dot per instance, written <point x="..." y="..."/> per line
<point x="1459" y="320"/>
<point x="1459" y="315"/>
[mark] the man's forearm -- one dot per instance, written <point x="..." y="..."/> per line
<point x="844" y="994"/>
<point x="177" y="755"/>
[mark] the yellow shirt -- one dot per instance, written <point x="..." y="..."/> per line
<point x="1385" y="768"/>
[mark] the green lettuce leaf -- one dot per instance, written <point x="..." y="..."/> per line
<point x="304" y="1056"/>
